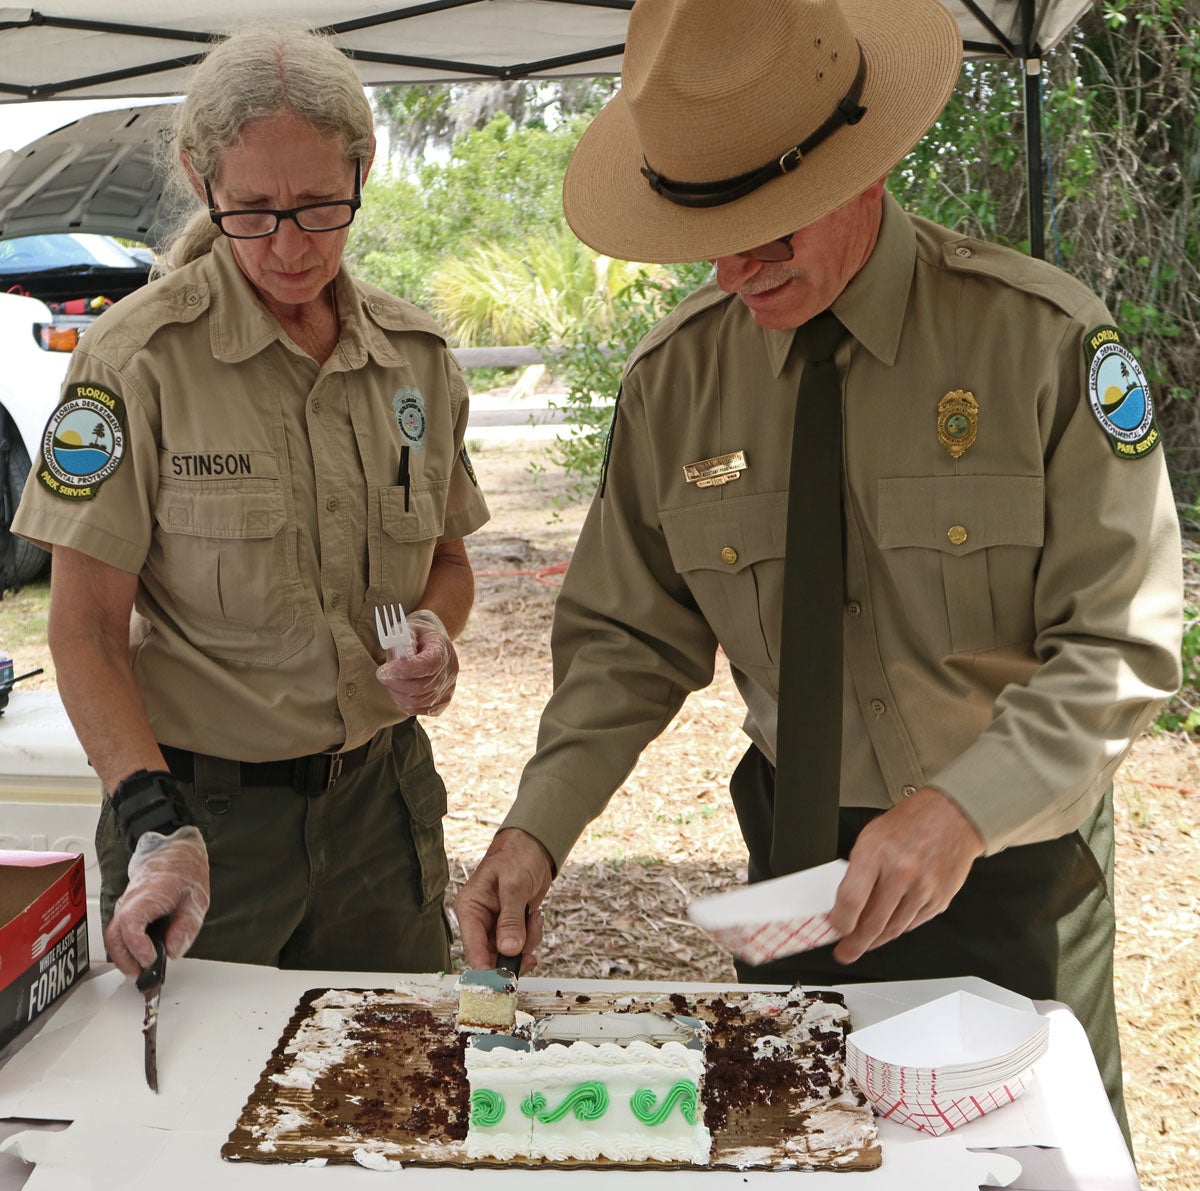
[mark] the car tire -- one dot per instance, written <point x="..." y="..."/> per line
<point x="29" y="562"/>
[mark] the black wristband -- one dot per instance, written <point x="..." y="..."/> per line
<point x="149" y="800"/>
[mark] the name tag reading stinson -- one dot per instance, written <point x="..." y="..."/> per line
<point x="709" y="473"/>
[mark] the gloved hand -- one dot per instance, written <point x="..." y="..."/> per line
<point x="423" y="683"/>
<point x="168" y="876"/>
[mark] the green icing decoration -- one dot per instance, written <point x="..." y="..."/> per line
<point x="588" y="1101"/>
<point x="684" y="1093"/>
<point x="487" y="1107"/>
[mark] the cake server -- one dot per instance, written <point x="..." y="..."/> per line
<point x="149" y="983"/>
<point x="512" y="963"/>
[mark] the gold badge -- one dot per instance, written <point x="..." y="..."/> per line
<point x="710" y="473"/>
<point x="958" y="421"/>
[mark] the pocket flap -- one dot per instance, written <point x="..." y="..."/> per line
<point x="210" y="511"/>
<point x="960" y="514"/>
<point x="424" y="794"/>
<point x="426" y="514"/>
<point x="727" y="535"/>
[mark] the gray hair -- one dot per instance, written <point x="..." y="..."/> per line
<point x="260" y="72"/>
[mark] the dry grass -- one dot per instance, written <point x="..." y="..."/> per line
<point x="618" y="908"/>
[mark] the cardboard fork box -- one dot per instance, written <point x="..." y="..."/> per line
<point x="43" y="933"/>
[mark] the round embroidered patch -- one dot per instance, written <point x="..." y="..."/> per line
<point x="409" y="404"/>
<point x="1119" y="395"/>
<point x="83" y="443"/>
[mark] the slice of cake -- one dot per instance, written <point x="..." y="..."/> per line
<point x="623" y="1087"/>
<point x="487" y="999"/>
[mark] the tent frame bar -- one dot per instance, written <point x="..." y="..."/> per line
<point x="449" y="66"/>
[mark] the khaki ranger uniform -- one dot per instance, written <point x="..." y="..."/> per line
<point x="261" y="500"/>
<point x="1013" y="610"/>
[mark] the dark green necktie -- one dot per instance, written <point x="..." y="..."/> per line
<point x="809" y="735"/>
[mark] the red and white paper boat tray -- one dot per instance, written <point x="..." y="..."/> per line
<point x="947" y="1062"/>
<point x="783" y="916"/>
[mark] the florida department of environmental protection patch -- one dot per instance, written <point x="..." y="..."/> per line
<point x="1119" y="395"/>
<point x="84" y="442"/>
<point x="409" y="404"/>
<point x="466" y="462"/>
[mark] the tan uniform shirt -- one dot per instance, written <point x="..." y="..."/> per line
<point x="1012" y="616"/>
<point x="256" y="495"/>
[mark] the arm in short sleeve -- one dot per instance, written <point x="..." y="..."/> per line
<point x="466" y="509"/>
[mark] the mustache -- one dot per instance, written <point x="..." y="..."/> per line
<point x="763" y="280"/>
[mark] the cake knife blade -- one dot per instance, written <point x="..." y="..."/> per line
<point x="149" y="984"/>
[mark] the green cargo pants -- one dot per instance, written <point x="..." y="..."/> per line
<point x="350" y="879"/>
<point x="1037" y="919"/>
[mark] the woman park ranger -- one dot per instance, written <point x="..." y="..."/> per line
<point x="251" y="453"/>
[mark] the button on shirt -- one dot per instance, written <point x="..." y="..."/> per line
<point x="1012" y="615"/>
<point x="259" y="503"/>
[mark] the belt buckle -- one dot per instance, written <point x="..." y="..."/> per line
<point x="312" y="774"/>
<point x="336" y="762"/>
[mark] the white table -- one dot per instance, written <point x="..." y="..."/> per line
<point x="219" y="1022"/>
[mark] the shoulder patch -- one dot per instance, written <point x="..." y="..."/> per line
<point x="1119" y="394"/>
<point x="466" y="462"/>
<point x="83" y="443"/>
<point x="608" y="442"/>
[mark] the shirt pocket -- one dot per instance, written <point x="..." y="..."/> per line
<point x="730" y="553"/>
<point x="225" y="559"/>
<point x="963" y="553"/>
<point x="401" y="542"/>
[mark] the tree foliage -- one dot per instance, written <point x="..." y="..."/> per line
<point x="422" y="118"/>
<point x="502" y="185"/>
<point x="537" y="292"/>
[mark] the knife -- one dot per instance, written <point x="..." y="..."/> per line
<point x="149" y="983"/>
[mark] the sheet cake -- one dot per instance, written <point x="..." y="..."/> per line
<point x="378" y="1077"/>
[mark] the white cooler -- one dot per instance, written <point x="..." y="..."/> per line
<point x="49" y="794"/>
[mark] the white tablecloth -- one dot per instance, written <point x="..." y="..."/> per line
<point x="219" y="1023"/>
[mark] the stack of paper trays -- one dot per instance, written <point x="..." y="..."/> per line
<point x="783" y="916"/>
<point x="947" y="1062"/>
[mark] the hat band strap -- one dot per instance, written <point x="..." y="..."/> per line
<point x="716" y="194"/>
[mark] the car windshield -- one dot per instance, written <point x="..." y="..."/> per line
<point x="80" y="250"/>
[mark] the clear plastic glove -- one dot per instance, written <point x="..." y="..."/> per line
<point x="168" y="876"/>
<point x="423" y="683"/>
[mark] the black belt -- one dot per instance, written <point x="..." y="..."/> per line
<point x="311" y="775"/>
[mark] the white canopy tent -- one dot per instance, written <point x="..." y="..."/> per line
<point x="70" y="49"/>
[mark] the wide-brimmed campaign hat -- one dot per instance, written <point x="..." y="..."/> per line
<point x="740" y="121"/>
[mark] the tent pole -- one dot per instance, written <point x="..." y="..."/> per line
<point x="1033" y="157"/>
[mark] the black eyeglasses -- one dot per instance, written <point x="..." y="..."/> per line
<point x="312" y="217"/>
<point x="774" y="250"/>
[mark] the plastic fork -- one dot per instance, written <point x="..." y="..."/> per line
<point x="391" y="626"/>
<point x="43" y="940"/>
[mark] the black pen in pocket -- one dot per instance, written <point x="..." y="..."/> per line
<point x="403" y="477"/>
